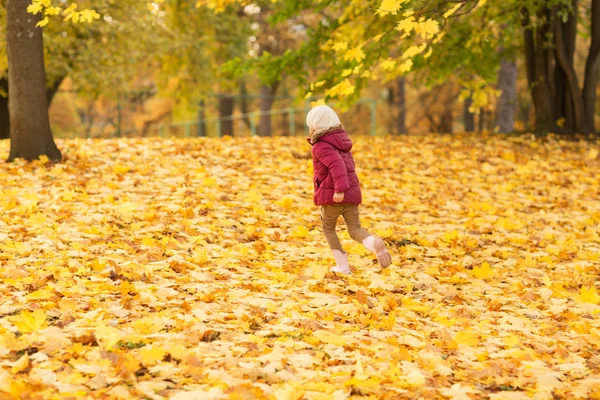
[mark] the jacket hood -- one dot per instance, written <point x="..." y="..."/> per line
<point x="335" y="136"/>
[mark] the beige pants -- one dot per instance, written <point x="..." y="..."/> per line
<point x="351" y="214"/>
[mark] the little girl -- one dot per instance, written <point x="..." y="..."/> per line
<point x="337" y="189"/>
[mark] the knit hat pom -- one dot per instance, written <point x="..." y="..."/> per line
<point x="322" y="117"/>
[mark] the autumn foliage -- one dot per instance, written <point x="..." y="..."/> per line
<point x="196" y="269"/>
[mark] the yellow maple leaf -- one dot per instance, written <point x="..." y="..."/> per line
<point x="286" y="202"/>
<point x="330" y="338"/>
<point x="588" y="295"/>
<point x="388" y="65"/>
<point x="390" y="6"/>
<point x="89" y="16"/>
<point x="151" y="355"/>
<point x="52" y="11"/>
<point x="340" y="46"/>
<point x="176" y="351"/>
<point x="407" y="25"/>
<point x="108" y="336"/>
<point x="466" y="338"/>
<point x="35" y="8"/>
<point x="356" y="54"/>
<point x="428" y="28"/>
<point x="483" y="272"/>
<point x="28" y="322"/>
<point x="21" y="364"/>
<point x="299" y="232"/>
<point x="43" y="22"/>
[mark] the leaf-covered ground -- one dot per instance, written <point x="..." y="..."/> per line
<point x="196" y="269"/>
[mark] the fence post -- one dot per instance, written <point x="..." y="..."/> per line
<point x="252" y="125"/>
<point x="218" y="120"/>
<point x="161" y="131"/>
<point x="373" y="117"/>
<point x="187" y="129"/>
<point x="306" y="110"/>
<point x="292" y="123"/>
<point x="200" y="128"/>
<point x="119" y="116"/>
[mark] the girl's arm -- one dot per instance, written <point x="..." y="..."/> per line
<point x="329" y="156"/>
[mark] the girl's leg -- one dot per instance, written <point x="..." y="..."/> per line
<point x="351" y="215"/>
<point x="329" y="217"/>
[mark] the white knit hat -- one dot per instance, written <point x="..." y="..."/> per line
<point x="322" y="117"/>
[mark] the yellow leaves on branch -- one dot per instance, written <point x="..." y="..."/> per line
<point x="356" y="54"/>
<point x="344" y="88"/>
<point x="452" y="10"/>
<point x="70" y="13"/>
<point x="390" y="6"/>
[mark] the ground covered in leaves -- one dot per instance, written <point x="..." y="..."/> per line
<point x="195" y="269"/>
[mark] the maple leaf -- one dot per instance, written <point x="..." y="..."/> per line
<point x="43" y="22"/>
<point x="390" y="6"/>
<point x="89" y="16"/>
<point x="588" y="295"/>
<point x="459" y="392"/>
<point x="330" y="338"/>
<point x="35" y="8"/>
<point x="28" y="322"/>
<point x="483" y="272"/>
<point x="150" y="355"/>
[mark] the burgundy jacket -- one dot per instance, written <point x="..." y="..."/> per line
<point x="334" y="169"/>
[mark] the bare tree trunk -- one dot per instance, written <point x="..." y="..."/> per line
<point x="481" y="122"/>
<point x="591" y="70"/>
<point x="226" y="111"/>
<point x="401" y="83"/>
<point x="507" y="83"/>
<point x="267" y="97"/>
<point x="28" y="103"/>
<point x="4" y="116"/>
<point x="53" y="89"/>
<point x="447" y="121"/>
<point x="537" y="62"/>
<point x="468" y="116"/>
<point x="244" y="104"/>
<point x="575" y="95"/>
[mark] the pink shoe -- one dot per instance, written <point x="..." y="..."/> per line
<point x="377" y="246"/>
<point x="341" y="266"/>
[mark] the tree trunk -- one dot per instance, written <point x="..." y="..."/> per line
<point x="401" y="126"/>
<point x="4" y="116"/>
<point x="563" y="106"/>
<point x="575" y="95"/>
<point x="507" y="83"/>
<point x="53" y="89"/>
<point x="536" y="57"/>
<point x="244" y="104"/>
<point x="591" y="70"/>
<point x="267" y="97"/>
<point x="468" y="116"/>
<point x="226" y="114"/>
<point x="447" y="121"/>
<point x="481" y="124"/>
<point x="28" y="103"/>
